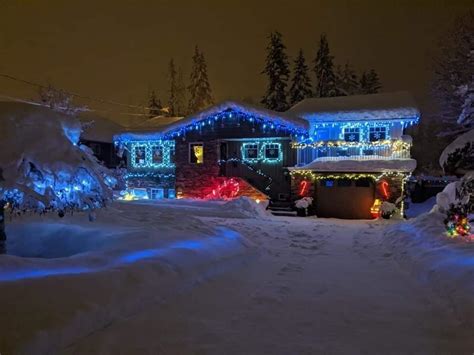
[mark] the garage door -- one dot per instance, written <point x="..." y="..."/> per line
<point x="343" y="198"/>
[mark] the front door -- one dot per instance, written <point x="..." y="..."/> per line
<point x="223" y="159"/>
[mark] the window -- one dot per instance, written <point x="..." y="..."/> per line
<point x="157" y="193"/>
<point x="156" y="154"/>
<point x="272" y="151"/>
<point x="377" y="133"/>
<point x="327" y="183"/>
<point x="344" y="183"/>
<point x="139" y="155"/>
<point x="196" y="153"/>
<point x="250" y="151"/>
<point x="352" y="134"/>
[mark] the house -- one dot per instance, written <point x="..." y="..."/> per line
<point x="228" y="150"/>
<point x="97" y="134"/>
<point x="357" y="154"/>
<point x="349" y="153"/>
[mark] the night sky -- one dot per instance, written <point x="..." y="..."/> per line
<point x="119" y="49"/>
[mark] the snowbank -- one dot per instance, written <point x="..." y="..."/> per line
<point x="248" y="207"/>
<point x="447" y="265"/>
<point x="360" y="165"/>
<point x="458" y="143"/>
<point x="134" y="256"/>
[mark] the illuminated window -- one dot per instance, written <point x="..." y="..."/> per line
<point x="377" y="133"/>
<point x="156" y="154"/>
<point x="272" y="151"/>
<point x="139" y="155"/>
<point x="352" y="134"/>
<point x="196" y="153"/>
<point x="250" y="151"/>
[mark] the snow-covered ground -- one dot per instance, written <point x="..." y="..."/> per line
<point x="182" y="277"/>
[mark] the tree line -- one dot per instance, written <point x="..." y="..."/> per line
<point x="330" y="80"/>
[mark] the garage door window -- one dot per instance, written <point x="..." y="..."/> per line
<point x="344" y="183"/>
<point x="327" y="183"/>
<point x="362" y="183"/>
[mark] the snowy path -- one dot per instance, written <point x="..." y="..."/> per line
<point x="318" y="286"/>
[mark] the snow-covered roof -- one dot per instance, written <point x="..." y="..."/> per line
<point x="359" y="165"/>
<point x="98" y="128"/>
<point x="176" y="124"/>
<point x="385" y="106"/>
<point x="458" y="143"/>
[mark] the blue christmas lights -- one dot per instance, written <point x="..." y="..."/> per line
<point x="264" y="151"/>
<point x="153" y="154"/>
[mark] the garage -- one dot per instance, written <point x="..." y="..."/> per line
<point x="344" y="198"/>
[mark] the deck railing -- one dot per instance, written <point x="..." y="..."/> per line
<point x="369" y="152"/>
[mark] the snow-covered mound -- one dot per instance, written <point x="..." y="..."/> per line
<point x="247" y="207"/>
<point x="459" y="143"/>
<point x="447" y="265"/>
<point x="41" y="164"/>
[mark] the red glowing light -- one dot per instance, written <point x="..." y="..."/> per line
<point x="304" y="187"/>
<point x="224" y="190"/>
<point x="385" y="191"/>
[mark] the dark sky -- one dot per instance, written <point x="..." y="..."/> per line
<point x="118" y="49"/>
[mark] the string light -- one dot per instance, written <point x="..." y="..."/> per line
<point x="149" y="150"/>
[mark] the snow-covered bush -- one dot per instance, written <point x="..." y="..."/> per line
<point x="458" y="157"/>
<point x="457" y="202"/>
<point x="387" y="209"/>
<point x="303" y="204"/>
<point x="41" y="166"/>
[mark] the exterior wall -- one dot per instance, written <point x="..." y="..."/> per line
<point x="192" y="180"/>
<point x="105" y="152"/>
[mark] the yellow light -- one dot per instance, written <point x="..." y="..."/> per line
<point x="257" y="200"/>
<point x="129" y="197"/>
<point x="375" y="209"/>
<point x="199" y="153"/>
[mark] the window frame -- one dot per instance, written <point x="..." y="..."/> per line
<point x="245" y="157"/>
<point x="264" y="148"/>
<point x="351" y="130"/>
<point x="377" y="129"/>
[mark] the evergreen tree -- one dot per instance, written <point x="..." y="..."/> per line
<point x="199" y="87"/>
<point x="173" y="89"/>
<point x="277" y="70"/>
<point x="324" y="69"/>
<point x="454" y="68"/>
<point x="347" y="82"/>
<point x="154" y="105"/>
<point x="301" y="84"/>
<point x="370" y="82"/>
<point x="180" y="94"/>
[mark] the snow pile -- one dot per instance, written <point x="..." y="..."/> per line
<point x="41" y="165"/>
<point x="360" y="165"/>
<point x="246" y="206"/>
<point x="136" y="255"/>
<point x="447" y="197"/>
<point x="99" y="129"/>
<point x="459" y="143"/>
<point x="445" y="264"/>
<point x="304" y="202"/>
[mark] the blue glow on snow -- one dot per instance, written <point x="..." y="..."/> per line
<point x="222" y="237"/>
<point x="40" y="273"/>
